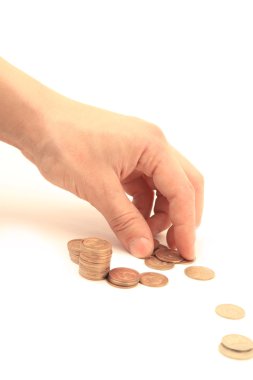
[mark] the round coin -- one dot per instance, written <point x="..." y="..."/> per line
<point x="75" y="245"/>
<point x="123" y="276"/>
<point x="199" y="273"/>
<point x="153" y="279"/>
<point x="169" y="255"/>
<point x="121" y="286"/>
<point x="154" y="263"/>
<point x="230" y="311"/>
<point x="96" y="244"/>
<point x="237" y="342"/>
<point x="239" y="355"/>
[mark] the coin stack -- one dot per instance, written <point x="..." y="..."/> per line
<point x="123" y="277"/>
<point x="75" y="246"/>
<point x="236" y="346"/>
<point x="95" y="257"/>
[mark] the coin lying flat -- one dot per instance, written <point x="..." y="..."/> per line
<point x="233" y="354"/>
<point x="230" y="311"/>
<point x="120" y="286"/>
<point x="169" y="255"/>
<point x="154" y="263"/>
<point x="123" y="276"/>
<point x="199" y="273"/>
<point x="237" y="342"/>
<point x="153" y="279"/>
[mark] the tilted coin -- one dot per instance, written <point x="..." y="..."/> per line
<point x="154" y="263"/>
<point x="169" y="255"/>
<point x="230" y="311"/>
<point x="233" y="354"/>
<point x="199" y="273"/>
<point x="123" y="276"/>
<point x="153" y="279"/>
<point x="237" y="342"/>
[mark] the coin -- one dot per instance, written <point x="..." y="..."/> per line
<point x="96" y="244"/>
<point x="154" y="263"/>
<point x="230" y="311"/>
<point x="153" y="279"/>
<point x="233" y="354"/>
<point x="120" y="286"/>
<point x="237" y="342"/>
<point x="123" y="276"/>
<point x="75" y="245"/>
<point x="169" y="255"/>
<point x="199" y="273"/>
<point x="156" y="244"/>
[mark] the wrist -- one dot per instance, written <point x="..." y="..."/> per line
<point x="22" y="120"/>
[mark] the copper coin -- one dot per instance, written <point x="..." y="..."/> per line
<point x="233" y="354"/>
<point x="121" y="286"/>
<point x="230" y="311"/>
<point x="96" y="244"/>
<point x="154" y="263"/>
<point x="199" y="273"/>
<point x="237" y="342"/>
<point x="169" y="255"/>
<point x="75" y="245"/>
<point x="153" y="279"/>
<point x="123" y="276"/>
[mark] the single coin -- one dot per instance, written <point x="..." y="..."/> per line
<point x="237" y="342"/>
<point x="199" y="273"/>
<point x="154" y="263"/>
<point x="233" y="354"/>
<point x="153" y="279"/>
<point x="121" y="286"/>
<point x="123" y="276"/>
<point x="230" y="311"/>
<point x="169" y="255"/>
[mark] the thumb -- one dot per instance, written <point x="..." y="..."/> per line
<point x="124" y="218"/>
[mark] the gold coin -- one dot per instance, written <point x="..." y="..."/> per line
<point x="169" y="255"/>
<point x="230" y="311"/>
<point x="153" y="279"/>
<point x="74" y="257"/>
<point x="237" y="342"/>
<point x="123" y="276"/>
<point x="154" y="263"/>
<point x="233" y="354"/>
<point x="199" y="273"/>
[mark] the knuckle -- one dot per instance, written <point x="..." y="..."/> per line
<point x="123" y="222"/>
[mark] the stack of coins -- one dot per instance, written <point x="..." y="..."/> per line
<point x="75" y="246"/>
<point x="123" y="277"/>
<point x="236" y="346"/>
<point x="95" y="257"/>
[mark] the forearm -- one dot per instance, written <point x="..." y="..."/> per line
<point x="22" y="100"/>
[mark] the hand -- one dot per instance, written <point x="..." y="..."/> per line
<point x="100" y="156"/>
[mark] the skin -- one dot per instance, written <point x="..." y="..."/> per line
<point x="101" y="156"/>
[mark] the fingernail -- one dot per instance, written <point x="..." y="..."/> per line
<point x="141" y="247"/>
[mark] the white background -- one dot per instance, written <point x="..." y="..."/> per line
<point x="187" y="67"/>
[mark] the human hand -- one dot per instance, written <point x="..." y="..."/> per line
<point x="100" y="156"/>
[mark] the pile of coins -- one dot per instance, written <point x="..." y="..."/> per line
<point x="93" y="256"/>
<point x="236" y="346"/>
